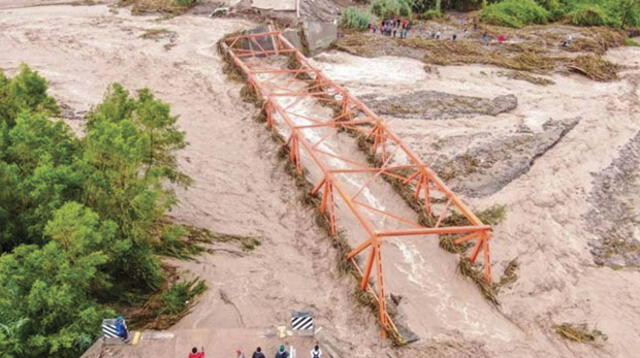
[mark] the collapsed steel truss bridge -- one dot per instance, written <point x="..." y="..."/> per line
<point x="254" y="55"/>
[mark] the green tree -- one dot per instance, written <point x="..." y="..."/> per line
<point x="49" y="295"/>
<point x="27" y="91"/>
<point x="82" y="219"/>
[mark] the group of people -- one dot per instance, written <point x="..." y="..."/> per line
<point x="402" y="27"/>
<point x="282" y="352"/>
<point x="393" y="27"/>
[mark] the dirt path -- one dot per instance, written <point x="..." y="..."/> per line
<point x="239" y="185"/>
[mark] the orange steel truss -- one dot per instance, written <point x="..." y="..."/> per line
<point x="250" y="53"/>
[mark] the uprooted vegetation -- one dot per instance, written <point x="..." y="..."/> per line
<point x="594" y="67"/>
<point x="168" y="305"/>
<point x="579" y="333"/>
<point x="524" y="76"/>
<point x="169" y="7"/>
<point x="532" y="49"/>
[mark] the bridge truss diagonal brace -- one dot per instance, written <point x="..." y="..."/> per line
<point x="353" y="115"/>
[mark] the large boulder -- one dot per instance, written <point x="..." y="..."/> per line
<point x="293" y="35"/>
<point x="319" y="36"/>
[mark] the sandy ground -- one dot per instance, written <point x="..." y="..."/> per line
<point x="546" y="226"/>
<point x="241" y="188"/>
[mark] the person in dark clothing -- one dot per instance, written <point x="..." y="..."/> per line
<point x="121" y="328"/>
<point x="316" y="352"/>
<point x="258" y="353"/>
<point x="485" y="39"/>
<point x="282" y="353"/>
<point x="454" y="37"/>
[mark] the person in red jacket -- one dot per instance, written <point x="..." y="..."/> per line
<point x="195" y="354"/>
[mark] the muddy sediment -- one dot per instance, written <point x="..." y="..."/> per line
<point x="489" y="165"/>
<point x="616" y="210"/>
<point x="435" y="105"/>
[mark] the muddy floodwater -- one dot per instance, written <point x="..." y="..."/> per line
<point x="551" y="154"/>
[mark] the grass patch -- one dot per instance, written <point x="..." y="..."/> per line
<point x="515" y="13"/>
<point x="432" y="14"/>
<point x="630" y="42"/>
<point x="355" y="18"/>
<point x="537" y="56"/>
<point x="391" y="8"/>
<point x="595" y="67"/>
<point x="579" y="332"/>
<point x="592" y="15"/>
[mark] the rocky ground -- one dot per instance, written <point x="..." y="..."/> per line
<point x="616" y="210"/>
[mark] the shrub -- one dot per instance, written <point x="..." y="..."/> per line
<point x="391" y="8"/>
<point x="592" y="15"/>
<point x="515" y="13"/>
<point x="355" y="18"/>
<point x="185" y="3"/>
<point x="630" y="42"/>
<point x="556" y="8"/>
<point x="431" y="14"/>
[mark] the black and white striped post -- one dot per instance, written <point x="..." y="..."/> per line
<point x="109" y="328"/>
<point x="302" y="323"/>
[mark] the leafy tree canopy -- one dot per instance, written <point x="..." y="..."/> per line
<point x="81" y="219"/>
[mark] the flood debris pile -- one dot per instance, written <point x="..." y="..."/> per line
<point x="534" y="49"/>
<point x="594" y="67"/>
<point x="579" y="333"/>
